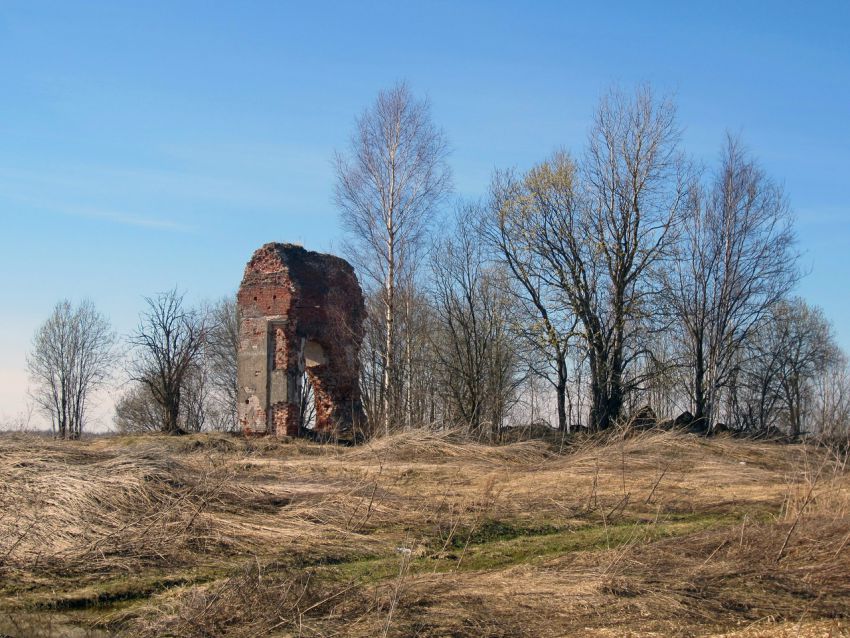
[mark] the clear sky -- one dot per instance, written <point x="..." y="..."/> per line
<point x="145" y="145"/>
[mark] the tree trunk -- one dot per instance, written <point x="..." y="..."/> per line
<point x="409" y="364"/>
<point x="63" y="417"/>
<point x="389" y="354"/>
<point x="172" y="414"/>
<point x="561" y="392"/>
<point x="699" y="387"/>
<point x="794" y="407"/>
<point x="606" y="396"/>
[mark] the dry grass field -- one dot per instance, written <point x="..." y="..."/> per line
<point x="657" y="534"/>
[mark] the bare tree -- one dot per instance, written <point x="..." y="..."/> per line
<point x="753" y="384"/>
<point x="831" y="401"/>
<point x="220" y="359"/>
<point x="72" y="353"/>
<point x="20" y="422"/>
<point x="779" y="379"/>
<point x="136" y="411"/>
<point x="547" y="325"/>
<point x="196" y="399"/>
<point x="736" y="259"/>
<point x="414" y="367"/>
<point x="169" y="344"/>
<point x="371" y="360"/>
<point x="805" y="350"/>
<point x="208" y="391"/>
<point x="388" y="186"/>
<point x="599" y="229"/>
<point x="472" y="343"/>
<point x="634" y="181"/>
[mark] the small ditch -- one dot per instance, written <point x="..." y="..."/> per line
<point x="46" y="625"/>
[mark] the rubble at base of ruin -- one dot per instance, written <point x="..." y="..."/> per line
<point x="299" y="312"/>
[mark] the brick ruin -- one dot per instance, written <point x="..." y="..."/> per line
<point x="299" y="311"/>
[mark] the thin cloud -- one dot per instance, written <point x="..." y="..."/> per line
<point x="127" y="220"/>
<point x="111" y="216"/>
<point x="104" y="185"/>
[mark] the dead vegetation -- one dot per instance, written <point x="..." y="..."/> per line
<point x="422" y="534"/>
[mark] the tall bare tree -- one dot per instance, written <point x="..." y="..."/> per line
<point x="169" y="344"/>
<point x="72" y="353"/>
<point x="806" y="349"/>
<point x="416" y="366"/>
<point x="389" y="184"/>
<point x="600" y="227"/>
<point x="220" y="359"/>
<point x="547" y="325"/>
<point x="736" y="260"/>
<point x="634" y="182"/>
<point x="474" y="348"/>
<point x="831" y="401"/>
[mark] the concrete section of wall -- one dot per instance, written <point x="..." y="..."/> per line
<point x="252" y="374"/>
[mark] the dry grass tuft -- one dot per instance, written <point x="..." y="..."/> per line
<point x="423" y="446"/>
<point x="256" y="600"/>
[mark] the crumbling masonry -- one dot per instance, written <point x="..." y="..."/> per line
<point x="298" y="311"/>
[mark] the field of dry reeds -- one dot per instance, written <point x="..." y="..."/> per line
<point x="417" y="534"/>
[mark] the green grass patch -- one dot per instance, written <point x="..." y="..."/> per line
<point x="491" y="531"/>
<point x="112" y="591"/>
<point x="497" y="545"/>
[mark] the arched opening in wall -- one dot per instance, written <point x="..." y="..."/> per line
<point x="307" y="402"/>
<point x="314" y="355"/>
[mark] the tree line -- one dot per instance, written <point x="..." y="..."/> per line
<point x="614" y="275"/>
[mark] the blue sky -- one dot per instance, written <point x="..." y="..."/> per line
<point x="145" y="145"/>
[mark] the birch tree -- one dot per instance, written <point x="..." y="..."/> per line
<point x="389" y="184"/>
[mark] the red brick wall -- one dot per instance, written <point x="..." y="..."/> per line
<point x="299" y="296"/>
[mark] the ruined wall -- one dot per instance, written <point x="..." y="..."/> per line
<point x="298" y="310"/>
